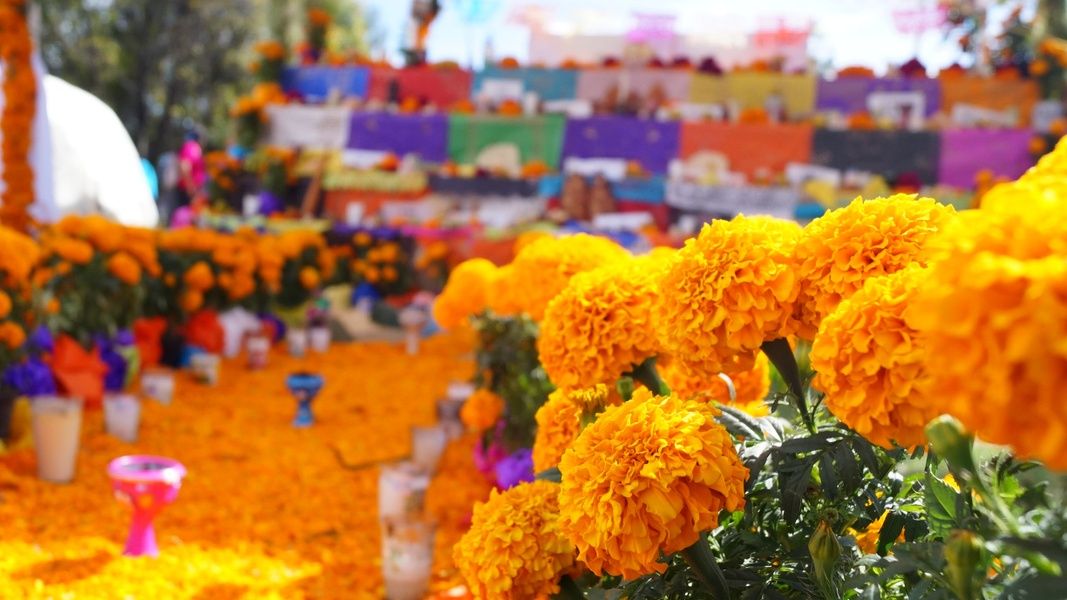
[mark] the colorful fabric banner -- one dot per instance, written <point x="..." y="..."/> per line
<point x="425" y="135"/>
<point x="889" y="153"/>
<point x="638" y="191"/>
<point x="750" y="148"/>
<point x="440" y="87"/>
<point x="549" y="84"/>
<point x="848" y="95"/>
<point x="538" y="138"/>
<point x="965" y="152"/>
<point x="308" y="126"/>
<point x="652" y="143"/>
<point x="752" y="90"/>
<point x="317" y="82"/>
<point x="986" y="92"/>
<point x="596" y="84"/>
<point x="728" y="201"/>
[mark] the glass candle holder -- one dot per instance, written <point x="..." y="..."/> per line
<point x="122" y="416"/>
<point x="402" y="489"/>
<point x="427" y="445"/>
<point x="319" y="339"/>
<point x="407" y="557"/>
<point x="158" y="384"/>
<point x="304" y="387"/>
<point x="206" y="368"/>
<point x="296" y="339"/>
<point x="57" y="425"/>
<point x="258" y="349"/>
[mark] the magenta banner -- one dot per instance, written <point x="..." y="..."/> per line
<point x="965" y="152"/>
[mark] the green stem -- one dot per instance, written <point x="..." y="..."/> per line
<point x="646" y="373"/>
<point x="781" y="355"/>
<point x="568" y="590"/>
<point x="703" y="563"/>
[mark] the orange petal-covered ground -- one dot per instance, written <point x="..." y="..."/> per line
<point x="267" y="511"/>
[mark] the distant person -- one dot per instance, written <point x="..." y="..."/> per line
<point x="169" y="177"/>
<point x="191" y="169"/>
<point x="153" y="179"/>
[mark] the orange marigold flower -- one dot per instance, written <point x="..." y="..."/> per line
<point x="124" y="268"/>
<point x="691" y="380"/>
<point x="53" y="306"/>
<point x="727" y="291"/>
<point x="504" y="292"/>
<point x="840" y="250"/>
<point x="867" y="540"/>
<point x="191" y="301"/>
<point x="559" y="420"/>
<point x="12" y="334"/>
<point x="74" y="250"/>
<point x="514" y="549"/>
<point x="482" y="410"/>
<point x="319" y="17"/>
<point x="5" y="304"/>
<point x="309" y="278"/>
<point x="645" y="479"/>
<point x="544" y="267"/>
<point x="466" y="293"/>
<point x="869" y="362"/>
<point x="199" y="277"/>
<point x="993" y="316"/>
<point x="600" y="325"/>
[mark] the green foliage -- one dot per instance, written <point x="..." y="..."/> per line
<point x="508" y="365"/>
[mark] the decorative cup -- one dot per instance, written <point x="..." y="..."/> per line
<point x="407" y="557"/>
<point x="319" y="339"/>
<point x="402" y="489"/>
<point x="57" y="424"/>
<point x="158" y="384"/>
<point x="258" y="347"/>
<point x="122" y="416"/>
<point x="304" y="387"/>
<point x="146" y="483"/>
<point x="427" y="446"/>
<point x="412" y="320"/>
<point x="206" y="368"/>
<point x="296" y="339"/>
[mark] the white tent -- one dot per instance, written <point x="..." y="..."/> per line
<point x="83" y="159"/>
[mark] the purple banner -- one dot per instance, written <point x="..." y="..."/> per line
<point x="651" y="143"/>
<point x="965" y="152"/>
<point x="849" y="95"/>
<point x="425" y="135"/>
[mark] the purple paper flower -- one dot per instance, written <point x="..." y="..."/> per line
<point x="41" y="339"/>
<point x="124" y="338"/>
<point x="276" y="323"/>
<point x="115" y="379"/>
<point x="486" y="459"/>
<point x="30" y="378"/>
<point x="515" y="469"/>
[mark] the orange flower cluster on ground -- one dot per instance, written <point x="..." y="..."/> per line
<point x="16" y="121"/>
<point x="267" y="511"/>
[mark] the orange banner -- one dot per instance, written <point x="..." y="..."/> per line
<point x="750" y="148"/>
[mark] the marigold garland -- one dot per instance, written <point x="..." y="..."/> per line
<point x="514" y="549"/>
<point x="727" y="291"/>
<point x="16" y="121"/>
<point x="837" y="252"/>
<point x="869" y="362"/>
<point x="600" y="325"/>
<point x="994" y="316"/>
<point x="543" y="268"/>
<point x="647" y="477"/>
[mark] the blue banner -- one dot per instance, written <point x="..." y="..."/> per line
<point x="315" y="83"/>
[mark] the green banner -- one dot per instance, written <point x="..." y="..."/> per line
<point x="538" y="138"/>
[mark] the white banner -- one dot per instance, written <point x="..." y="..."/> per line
<point x="299" y="126"/>
<point x="723" y="200"/>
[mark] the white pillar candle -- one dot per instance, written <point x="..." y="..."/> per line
<point x="401" y="489"/>
<point x="427" y="445"/>
<point x="57" y="424"/>
<point x="320" y="339"/>
<point x="158" y="384"/>
<point x="297" y="341"/>
<point x="407" y="557"/>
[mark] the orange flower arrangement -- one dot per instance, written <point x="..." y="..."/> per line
<point x="319" y="17"/>
<point x="869" y="362"/>
<point x="739" y="276"/>
<point x="543" y="268"/>
<point x="462" y="107"/>
<point x="856" y="71"/>
<point x="862" y="120"/>
<point x="510" y="108"/>
<point x="16" y="121"/>
<point x="270" y="49"/>
<point x="482" y="410"/>
<point x="535" y="168"/>
<point x="559" y="421"/>
<point x="509" y="63"/>
<point x="635" y="460"/>
<point x="514" y="549"/>
<point x="840" y="250"/>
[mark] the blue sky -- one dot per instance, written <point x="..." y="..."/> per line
<point x="848" y="31"/>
